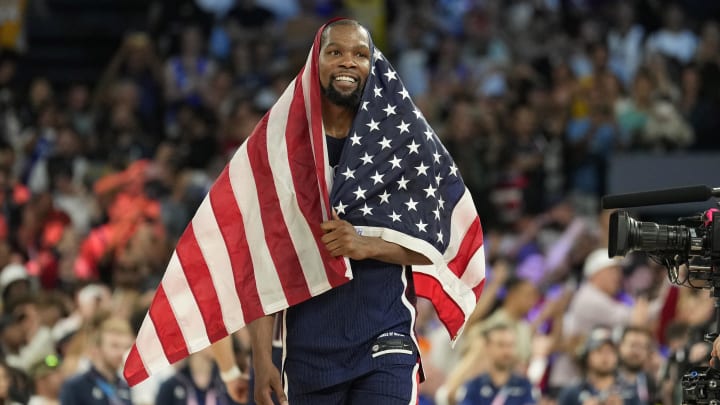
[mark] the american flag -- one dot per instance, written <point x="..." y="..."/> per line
<point x="253" y="247"/>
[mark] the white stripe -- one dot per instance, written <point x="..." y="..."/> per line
<point x="149" y="347"/>
<point x="267" y="280"/>
<point x="410" y="307"/>
<point x="214" y="251"/>
<point x="182" y="301"/>
<point x="305" y="247"/>
<point x="475" y="271"/>
<point x="462" y="218"/>
<point x="307" y="83"/>
<point x="391" y="351"/>
<point x="414" y="392"/>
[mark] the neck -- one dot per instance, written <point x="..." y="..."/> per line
<point x="499" y="377"/>
<point x="105" y="371"/>
<point x="601" y="382"/>
<point x="337" y="120"/>
<point x="628" y="375"/>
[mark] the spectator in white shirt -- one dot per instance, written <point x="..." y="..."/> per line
<point x="673" y="40"/>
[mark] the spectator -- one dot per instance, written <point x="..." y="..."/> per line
<point x="634" y="351"/>
<point x="198" y="382"/>
<point x="600" y="361"/>
<point x="36" y="338"/>
<point x="102" y="384"/>
<point x="673" y="40"/>
<point x="47" y="379"/>
<point x="499" y="385"/>
<point x="625" y="42"/>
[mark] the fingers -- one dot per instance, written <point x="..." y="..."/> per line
<point x="279" y="392"/>
<point x="335" y="215"/>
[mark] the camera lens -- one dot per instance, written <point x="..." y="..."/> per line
<point x="627" y="234"/>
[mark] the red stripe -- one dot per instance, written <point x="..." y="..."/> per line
<point x="277" y="236"/>
<point x="200" y="281"/>
<point x="134" y="371"/>
<point x="230" y="220"/>
<point x="167" y="328"/>
<point x="478" y="289"/>
<point x="471" y="242"/>
<point x="299" y="152"/>
<point x="316" y="120"/>
<point x="449" y="312"/>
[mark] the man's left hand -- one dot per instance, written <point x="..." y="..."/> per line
<point x="341" y="239"/>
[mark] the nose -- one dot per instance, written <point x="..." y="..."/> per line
<point x="348" y="61"/>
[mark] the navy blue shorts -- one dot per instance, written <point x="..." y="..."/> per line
<point x="395" y="384"/>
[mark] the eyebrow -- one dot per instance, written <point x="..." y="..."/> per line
<point x="364" y="46"/>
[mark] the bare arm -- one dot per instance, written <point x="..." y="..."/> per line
<point x="267" y="376"/>
<point x="238" y="384"/>
<point x="341" y="239"/>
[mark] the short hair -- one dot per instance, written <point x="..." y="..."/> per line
<point x="636" y="329"/>
<point x="495" y="327"/>
<point x="324" y="35"/>
<point x="112" y="324"/>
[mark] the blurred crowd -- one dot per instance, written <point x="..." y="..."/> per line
<point x="531" y="97"/>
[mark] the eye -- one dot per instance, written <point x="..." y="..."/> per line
<point x="334" y="52"/>
<point x="362" y="55"/>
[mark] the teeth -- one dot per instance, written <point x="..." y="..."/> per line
<point x="345" y="79"/>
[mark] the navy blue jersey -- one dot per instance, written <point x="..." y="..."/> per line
<point x="482" y="391"/>
<point x="91" y="388"/>
<point x="330" y="338"/>
<point x="578" y="394"/>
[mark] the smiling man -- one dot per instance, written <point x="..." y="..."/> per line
<point x="340" y="208"/>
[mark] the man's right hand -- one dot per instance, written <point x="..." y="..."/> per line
<point x="267" y="381"/>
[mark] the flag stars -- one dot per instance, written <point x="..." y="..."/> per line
<point x="395" y="162"/>
<point x="403" y="127"/>
<point x="378" y="91"/>
<point x="441" y="203"/>
<point x="390" y="110"/>
<point x="436" y="211"/>
<point x="355" y="139"/>
<point x="417" y="113"/>
<point x="440" y="237"/>
<point x="404" y="93"/>
<point x="430" y="191"/>
<point x="366" y="210"/>
<point x="402" y="183"/>
<point x="411" y="205"/>
<point x="377" y="55"/>
<point x="384" y="143"/>
<point x="395" y="217"/>
<point x="367" y="159"/>
<point x="438" y="179"/>
<point x="421" y="226"/>
<point x="377" y="178"/>
<point x="373" y="125"/>
<point x="384" y="197"/>
<point x="428" y="134"/>
<point x="453" y="170"/>
<point x="359" y="193"/>
<point x="436" y="157"/>
<point x="413" y="147"/>
<point x="422" y="169"/>
<point x="340" y="208"/>
<point x="391" y="75"/>
<point x="349" y="174"/>
<point x="364" y="105"/>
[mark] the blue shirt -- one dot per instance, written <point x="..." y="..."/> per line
<point x="577" y="394"/>
<point x="91" y="388"/>
<point x="482" y="391"/>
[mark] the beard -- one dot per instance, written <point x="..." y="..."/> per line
<point x="351" y="101"/>
<point x="633" y="368"/>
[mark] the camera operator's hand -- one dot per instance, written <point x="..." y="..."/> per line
<point x="715" y="352"/>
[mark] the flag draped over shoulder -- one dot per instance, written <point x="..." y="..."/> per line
<point x="253" y="247"/>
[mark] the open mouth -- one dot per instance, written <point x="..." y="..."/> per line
<point x="345" y="81"/>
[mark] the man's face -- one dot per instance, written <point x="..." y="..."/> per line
<point x="113" y="347"/>
<point x="603" y="360"/>
<point x="635" y="351"/>
<point x="344" y="64"/>
<point x="502" y="349"/>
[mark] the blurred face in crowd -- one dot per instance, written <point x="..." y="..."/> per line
<point x="4" y="382"/>
<point x="191" y="42"/>
<point x="501" y="349"/>
<point x="524" y="122"/>
<point x="523" y="297"/>
<point x="344" y="64"/>
<point x="602" y="361"/>
<point x="608" y="280"/>
<point x="14" y="336"/>
<point x="112" y="347"/>
<point x="634" y="351"/>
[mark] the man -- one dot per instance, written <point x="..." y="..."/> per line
<point x="47" y="379"/>
<point x="596" y="303"/>
<point x="635" y="351"/>
<point x="101" y="385"/>
<point x="355" y="344"/>
<point x="601" y="384"/>
<point x="499" y="385"/>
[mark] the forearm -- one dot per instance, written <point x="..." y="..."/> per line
<point x="389" y="252"/>
<point x="222" y="352"/>
<point x="261" y="331"/>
